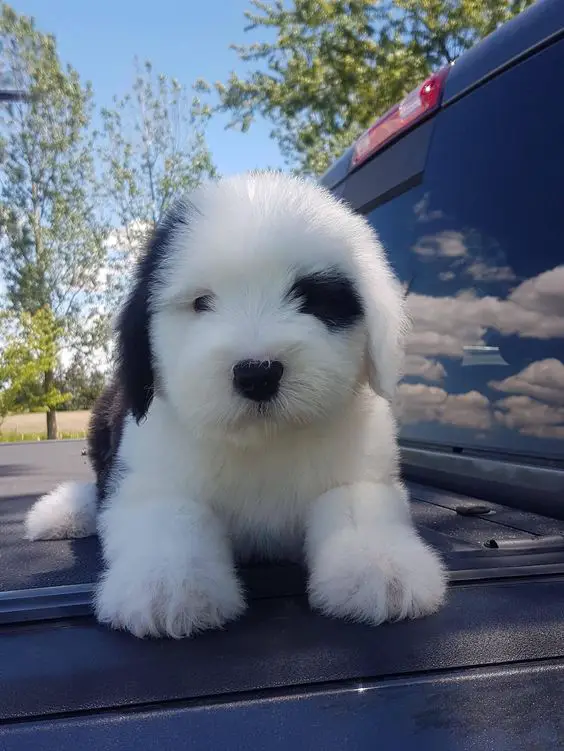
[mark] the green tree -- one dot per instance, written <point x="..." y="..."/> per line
<point x="331" y="66"/>
<point x="51" y="242"/>
<point x="83" y="384"/>
<point x="152" y="149"/>
<point x="28" y="355"/>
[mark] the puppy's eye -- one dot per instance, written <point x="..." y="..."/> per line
<point x="329" y="296"/>
<point x="203" y="303"/>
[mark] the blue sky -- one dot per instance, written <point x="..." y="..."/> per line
<point x="187" y="39"/>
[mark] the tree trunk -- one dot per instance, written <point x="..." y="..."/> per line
<point x="51" y="414"/>
<point x="51" y="424"/>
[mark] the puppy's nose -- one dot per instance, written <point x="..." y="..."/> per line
<point x="257" y="380"/>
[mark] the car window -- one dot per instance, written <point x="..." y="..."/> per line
<point x="481" y="245"/>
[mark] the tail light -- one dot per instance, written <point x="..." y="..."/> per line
<point x="420" y="102"/>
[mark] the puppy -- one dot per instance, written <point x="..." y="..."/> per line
<point x="259" y="350"/>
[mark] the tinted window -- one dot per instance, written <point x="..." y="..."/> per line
<point x="481" y="243"/>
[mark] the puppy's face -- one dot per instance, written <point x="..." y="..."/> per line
<point x="258" y="314"/>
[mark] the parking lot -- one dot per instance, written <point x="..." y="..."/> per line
<point x="27" y="470"/>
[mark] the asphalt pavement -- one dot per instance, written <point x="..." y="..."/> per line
<point x="27" y="471"/>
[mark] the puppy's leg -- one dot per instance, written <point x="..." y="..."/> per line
<point x="366" y="561"/>
<point x="66" y="512"/>
<point x="169" y="566"/>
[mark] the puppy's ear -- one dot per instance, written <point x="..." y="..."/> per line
<point x="134" y="352"/>
<point x="387" y="322"/>
<point x="135" y="360"/>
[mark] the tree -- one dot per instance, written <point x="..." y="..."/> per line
<point x="83" y="384"/>
<point x="152" y="149"/>
<point x="332" y="66"/>
<point x="52" y="244"/>
<point x="28" y="355"/>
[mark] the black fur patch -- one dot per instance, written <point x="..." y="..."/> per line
<point x="104" y="435"/>
<point x="132" y="388"/>
<point x="330" y="296"/>
<point x="135" y="362"/>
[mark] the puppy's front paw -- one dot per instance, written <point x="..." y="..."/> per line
<point x="160" y="602"/>
<point x="376" y="578"/>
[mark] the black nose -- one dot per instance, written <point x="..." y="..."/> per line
<point x="257" y="380"/>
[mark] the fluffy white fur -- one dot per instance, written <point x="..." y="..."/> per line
<point x="67" y="511"/>
<point x="210" y="477"/>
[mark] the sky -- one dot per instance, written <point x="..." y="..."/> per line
<point x="185" y="39"/>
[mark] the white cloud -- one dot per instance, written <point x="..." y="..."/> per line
<point x="520" y="412"/>
<point x="432" y="344"/>
<point x="422" y="403"/>
<point x="424" y="367"/>
<point x="470" y="410"/>
<point x="460" y="248"/>
<point x="445" y="325"/>
<point x="442" y="325"/>
<point x="530" y="417"/>
<point x="543" y="379"/>
<point x="446" y="244"/>
<point x="482" y="272"/>
<point x="542" y="293"/>
<point x="422" y="212"/>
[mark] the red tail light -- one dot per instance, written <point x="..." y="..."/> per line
<point x="422" y="100"/>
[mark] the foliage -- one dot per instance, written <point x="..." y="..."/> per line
<point x="84" y="385"/>
<point x="52" y="243"/>
<point x="30" y="344"/>
<point x="330" y="67"/>
<point x="152" y="149"/>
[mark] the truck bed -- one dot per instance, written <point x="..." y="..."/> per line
<point x="486" y="672"/>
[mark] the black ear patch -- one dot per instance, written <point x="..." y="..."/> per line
<point x="330" y="296"/>
<point x="135" y="362"/>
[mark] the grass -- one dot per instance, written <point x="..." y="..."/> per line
<point x="19" y="437"/>
<point x="32" y="426"/>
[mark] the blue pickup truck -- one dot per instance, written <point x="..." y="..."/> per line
<point x="463" y="180"/>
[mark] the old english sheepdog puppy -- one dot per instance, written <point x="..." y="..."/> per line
<point x="249" y="415"/>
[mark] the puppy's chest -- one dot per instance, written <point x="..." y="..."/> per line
<point x="264" y="497"/>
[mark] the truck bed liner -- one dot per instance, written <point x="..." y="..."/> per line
<point x="458" y="525"/>
<point x="444" y="681"/>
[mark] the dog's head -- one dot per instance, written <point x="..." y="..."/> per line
<point x="261" y="301"/>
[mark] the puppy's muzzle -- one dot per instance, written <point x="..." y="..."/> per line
<point x="256" y="380"/>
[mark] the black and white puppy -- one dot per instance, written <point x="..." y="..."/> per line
<point x="260" y="348"/>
